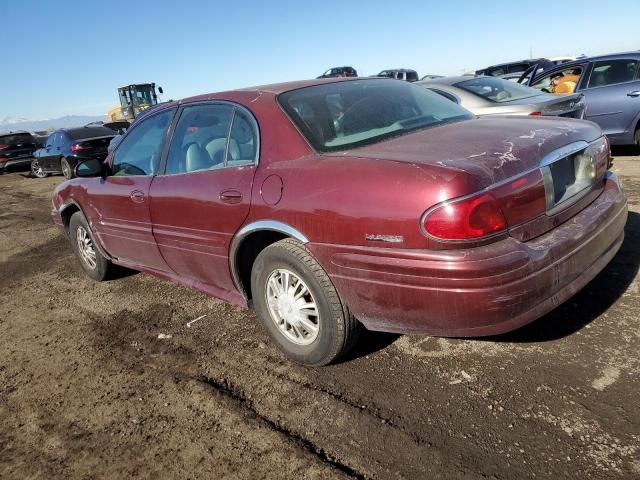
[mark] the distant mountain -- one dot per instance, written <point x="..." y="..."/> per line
<point x="68" y="121"/>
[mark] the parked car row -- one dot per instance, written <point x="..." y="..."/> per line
<point x="65" y="148"/>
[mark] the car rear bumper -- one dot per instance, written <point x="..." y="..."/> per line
<point x="16" y="163"/>
<point x="481" y="291"/>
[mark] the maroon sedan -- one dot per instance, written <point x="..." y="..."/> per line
<point x="331" y="204"/>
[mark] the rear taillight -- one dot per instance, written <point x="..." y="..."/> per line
<point x="77" y="147"/>
<point x="535" y="114"/>
<point x="469" y="218"/>
<point x="3" y="146"/>
<point x="489" y="212"/>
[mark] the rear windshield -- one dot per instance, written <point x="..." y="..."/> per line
<point x="345" y="115"/>
<point x="89" y="132"/>
<point x="496" y="89"/>
<point x="16" y="138"/>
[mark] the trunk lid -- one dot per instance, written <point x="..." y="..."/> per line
<point x="491" y="149"/>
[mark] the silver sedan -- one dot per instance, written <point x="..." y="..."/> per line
<point x="495" y="96"/>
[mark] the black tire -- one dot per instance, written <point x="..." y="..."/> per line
<point x="36" y="170"/>
<point x="103" y="267"/>
<point x="67" y="171"/>
<point x="638" y="137"/>
<point x="337" y="328"/>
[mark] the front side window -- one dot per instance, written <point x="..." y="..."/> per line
<point x="496" y="89"/>
<point x="560" y="82"/>
<point x="139" y="151"/>
<point x="209" y="137"/>
<point x="345" y="115"/>
<point x="611" y="72"/>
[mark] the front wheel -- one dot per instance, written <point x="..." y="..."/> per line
<point x="36" y="170"/>
<point x="91" y="260"/>
<point x="66" y="168"/>
<point x="299" y="306"/>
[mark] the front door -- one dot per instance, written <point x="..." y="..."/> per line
<point x="203" y="196"/>
<point x="49" y="159"/>
<point x="121" y="200"/>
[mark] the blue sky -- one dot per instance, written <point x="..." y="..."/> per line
<point x="68" y="57"/>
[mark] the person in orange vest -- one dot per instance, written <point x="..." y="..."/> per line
<point x="565" y="82"/>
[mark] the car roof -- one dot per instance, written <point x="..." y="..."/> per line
<point x="528" y="60"/>
<point x="448" y="80"/>
<point x="397" y="70"/>
<point x="88" y="131"/>
<point x="14" y="132"/>
<point x="270" y="89"/>
<point x="579" y="61"/>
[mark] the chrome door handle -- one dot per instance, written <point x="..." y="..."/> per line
<point x="635" y="93"/>
<point x="230" y="196"/>
<point x="137" y="196"/>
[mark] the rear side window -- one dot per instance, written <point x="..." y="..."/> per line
<point x="611" y="72"/>
<point x="139" y="152"/>
<point x="518" y="67"/>
<point x="496" y="72"/>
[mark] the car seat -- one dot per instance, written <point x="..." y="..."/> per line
<point x="197" y="158"/>
<point x="215" y="149"/>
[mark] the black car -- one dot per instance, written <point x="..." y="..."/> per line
<point x="400" y="74"/>
<point x="339" y="72"/>
<point x="16" y="150"/>
<point x="514" y="67"/>
<point x="65" y="148"/>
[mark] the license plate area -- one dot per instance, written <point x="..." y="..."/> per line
<point x="568" y="178"/>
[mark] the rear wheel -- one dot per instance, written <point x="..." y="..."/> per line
<point x="638" y="136"/>
<point x="91" y="260"/>
<point x="36" y="170"/>
<point x="299" y="306"/>
<point x="66" y="168"/>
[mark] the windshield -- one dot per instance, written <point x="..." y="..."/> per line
<point x="16" y="139"/>
<point x="143" y="95"/>
<point x="496" y="89"/>
<point x="345" y="115"/>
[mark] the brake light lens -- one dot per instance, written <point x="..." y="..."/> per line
<point x="3" y="146"/>
<point x="487" y="213"/>
<point x="77" y="147"/>
<point x="470" y="218"/>
<point x="535" y="114"/>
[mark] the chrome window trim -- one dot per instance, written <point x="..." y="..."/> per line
<point x="244" y="232"/>
<point x="235" y="106"/>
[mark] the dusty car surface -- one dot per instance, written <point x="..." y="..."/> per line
<point x="496" y="96"/>
<point x="330" y="204"/>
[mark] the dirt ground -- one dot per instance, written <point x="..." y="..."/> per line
<point x="89" y="390"/>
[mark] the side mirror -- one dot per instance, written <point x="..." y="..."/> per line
<point x="160" y="90"/>
<point x="90" y="168"/>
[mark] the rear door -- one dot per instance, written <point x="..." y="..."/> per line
<point x="203" y="196"/>
<point x="120" y="202"/>
<point x="612" y="95"/>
